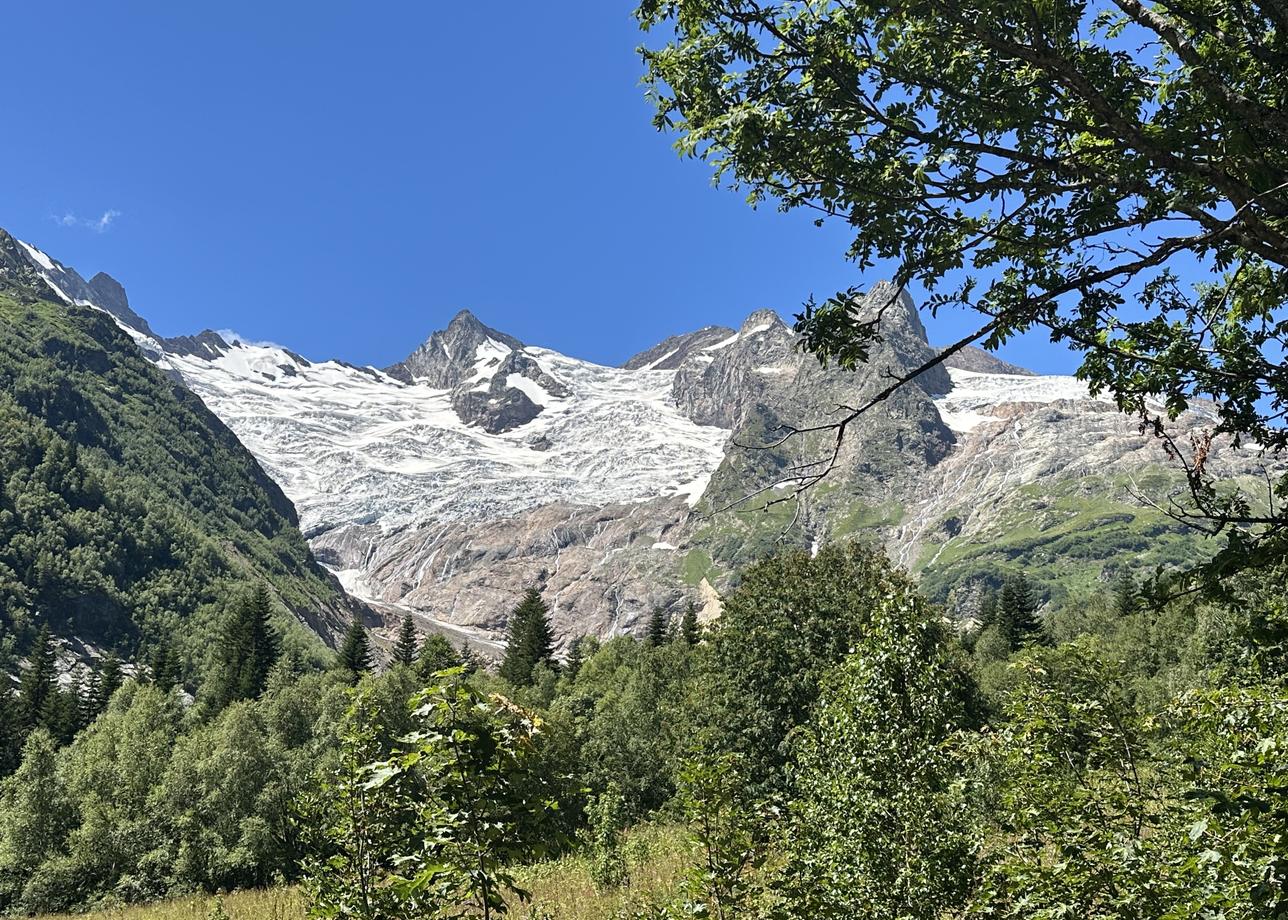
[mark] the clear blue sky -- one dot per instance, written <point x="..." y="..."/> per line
<point x="341" y="178"/>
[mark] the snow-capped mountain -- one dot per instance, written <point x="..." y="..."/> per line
<point x="355" y="445"/>
<point x="481" y="465"/>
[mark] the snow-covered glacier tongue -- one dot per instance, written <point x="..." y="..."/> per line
<point x="446" y="484"/>
<point x="353" y="445"/>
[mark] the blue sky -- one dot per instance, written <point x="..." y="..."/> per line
<point x="342" y="178"/>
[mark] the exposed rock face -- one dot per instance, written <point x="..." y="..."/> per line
<point x="603" y="570"/>
<point x="980" y="361"/>
<point x="451" y="356"/>
<point x="208" y="345"/>
<point x="498" y="408"/>
<point x="29" y="266"/>
<point x="671" y="353"/>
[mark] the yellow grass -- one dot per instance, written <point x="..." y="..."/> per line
<point x="270" y="904"/>
<point x="561" y="889"/>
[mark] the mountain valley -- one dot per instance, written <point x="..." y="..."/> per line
<point x="479" y="466"/>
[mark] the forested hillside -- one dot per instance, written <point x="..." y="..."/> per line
<point x="129" y="514"/>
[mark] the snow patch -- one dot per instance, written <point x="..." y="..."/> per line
<point x="968" y="404"/>
<point x="39" y="258"/>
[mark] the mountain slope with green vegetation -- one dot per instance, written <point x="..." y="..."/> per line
<point x="129" y="514"/>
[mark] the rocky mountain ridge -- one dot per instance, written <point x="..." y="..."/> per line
<point x="448" y="482"/>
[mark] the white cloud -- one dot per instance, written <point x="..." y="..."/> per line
<point x="98" y="224"/>
<point x="232" y="335"/>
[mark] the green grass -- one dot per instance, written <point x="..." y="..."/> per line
<point x="657" y="858"/>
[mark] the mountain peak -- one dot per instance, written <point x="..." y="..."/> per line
<point x="670" y="353"/>
<point x="762" y="321"/>
<point x="449" y="355"/>
<point x="24" y="264"/>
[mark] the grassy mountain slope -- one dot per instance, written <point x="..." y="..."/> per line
<point x="129" y="514"/>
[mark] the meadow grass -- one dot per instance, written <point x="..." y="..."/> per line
<point x="562" y="889"/>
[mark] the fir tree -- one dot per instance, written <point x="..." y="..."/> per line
<point x="531" y="640"/>
<point x="690" y="632"/>
<point x="355" y="652"/>
<point x="657" y="627"/>
<point x="247" y="651"/>
<point x="405" y="647"/>
<point x="1126" y="598"/>
<point x="39" y="681"/>
<point x="1017" y="612"/>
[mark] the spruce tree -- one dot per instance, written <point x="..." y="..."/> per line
<point x="90" y="691"/>
<point x="60" y="715"/>
<point x="987" y="609"/>
<point x="39" y="681"/>
<point x="1017" y="612"/>
<point x="1126" y="599"/>
<point x="657" y="627"/>
<point x="576" y="658"/>
<point x="247" y="651"/>
<point x="354" y="656"/>
<point x="405" y="647"/>
<point x="690" y="632"/>
<point x="531" y="639"/>
<point x="164" y="666"/>
<point x="108" y="680"/>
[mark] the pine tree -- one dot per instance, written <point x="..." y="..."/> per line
<point x="355" y="652"/>
<point x="657" y="627"/>
<point x="1126" y="598"/>
<point x="1017" y="612"/>
<point x="247" y="651"/>
<point x="405" y="647"/>
<point x="690" y="632"/>
<point x="39" y="681"/>
<point x="531" y="640"/>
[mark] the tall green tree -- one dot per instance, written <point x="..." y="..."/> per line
<point x="531" y="639"/>
<point x="1060" y="166"/>
<point x="354" y="656"/>
<point x="877" y="827"/>
<point x="165" y="667"/>
<point x="405" y="647"/>
<point x="657" y="627"/>
<point x="35" y="817"/>
<point x="690" y="632"/>
<point x="1017" y="610"/>
<point x="436" y="654"/>
<point x="1126" y="595"/>
<point x="792" y="618"/>
<point x="39" y="682"/>
<point x="108" y="680"/>
<point x="246" y="652"/>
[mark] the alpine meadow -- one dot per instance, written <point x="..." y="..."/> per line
<point x="906" y="542"/>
